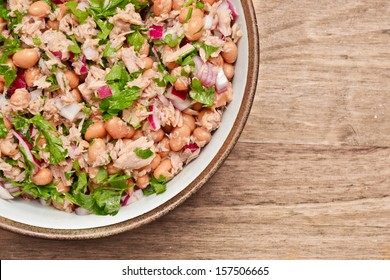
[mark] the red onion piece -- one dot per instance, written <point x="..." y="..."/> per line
<point x="205" y="72"/>
<point x="82" y="211"/>
<point x="192" y="147"/>
<point x="198" y="63"/>
<point x="163" y="100"/>
<point x="11" y="189"/>
<point x="19" y="82"/>
<point x="181" y="105"/>
<point x="177" y="99"/>
<point x="233" y="10"/>
<point x="174" y="94"/>
<point x="26" y="147"/>
<point x="156" y="32"/>
<point x="58" y="1"/>
<point x="184" y="42"/>
<point x="137" y="195"/>
<point x="153" y="119"/>
<point x="180" y="93"/>
<point x="83" y="69"/>
<point x="125" y="200"/>
<point x="208" y="21"/>
<point x="222" y="82"/>
<point x="4" y="193"/>
<point x="58" y="54"/>
<point x="154" y="50"/>
<point x="104" y="91"/>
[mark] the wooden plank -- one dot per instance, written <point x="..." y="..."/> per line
<point x="323" y="77"/>
<point x="297" y="202"/>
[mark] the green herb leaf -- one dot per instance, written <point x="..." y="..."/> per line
<point x="105" y="28"/>
<point x="37" y="41"/>
<point x="75" y="47"/>
<point x="189" y="2"/>
<point x="4" y="13"/>
<point x="16" y="20"/>
<point x="144" y="154"/>
<point x="199" y="5"/>
<point x="109" y="51"/>
<point x="136" y="39"/>
<point x="54" y="143"/>
<point x="9" y="74"/>
<point x="201" y="94"/>
<point x="158" y="184"/>
<point x="122" y="96"/>
<point x="81" y="183"/>
<point x="172" y="42"/>
<point x="8" y="46"/>
<point x="209" y="50"/>
<point x="101" y="175"/>
<point x="118" y="73"/>
<point x="3" y="128"/>
<point x="80" y="15"/>
<point x="189" y="15"/>
<point x="120" y="100"/>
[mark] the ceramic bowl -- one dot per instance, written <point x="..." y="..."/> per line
<point x="30" y="218"/>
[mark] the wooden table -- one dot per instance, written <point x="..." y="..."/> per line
<point x="309" y="177"/>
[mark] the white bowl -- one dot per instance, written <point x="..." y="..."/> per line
<point x="33" y="219"/>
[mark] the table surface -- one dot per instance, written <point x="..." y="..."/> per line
<point x="309" y="177"/>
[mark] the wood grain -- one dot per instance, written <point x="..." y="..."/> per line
<point x="309" y="178"/>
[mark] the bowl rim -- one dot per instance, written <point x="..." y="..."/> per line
<point x="195" y="185"/>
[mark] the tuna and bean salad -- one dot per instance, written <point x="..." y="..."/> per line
<point x="104" y="101"/>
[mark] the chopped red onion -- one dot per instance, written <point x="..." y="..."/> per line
<point x="181" y="105"/>
<point x="206" y="72"/>
<point x="208" y="21"/>
<point x="222" y="82"/>
<point x="26" y="147"/>
<point x="154" y="50"/>
<point x="192" y="147"/>
<point x="81" y="211"/>
<point x="180" y="93"/>
<point x="233" y="10"/>
<point x="125" y="200"/>
<point x="2" y="100"/>
<point x="11" y="189"/>
<point x="83" y="69"/>
<point x="90" y="53"/>
<point x="58" y="54"/>
<point x="104" y="91"/>
<point x="163" y="100"/>
<point x="69" y="111"/>
<point x="43" y="202"/>
<point x="156" y="32"/>
<point x="4" y="194"/>
<point x="174" y="94"/>
<point x="58" y="1"/>
<point x="18" y="83"/>
<point x="128" y="199"/>
<point x="153" y="119"/>
<point x="177" y="100"/>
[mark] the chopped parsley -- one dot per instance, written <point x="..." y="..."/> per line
<point x="3" y="128"/>
<point x="157" y="185"/>
<point x="144" y="154"/>
<point x="80" y="15"/>
<point x="122" y="96"/>
<point x="54" y="143"/>
<point x="136" y="39"/>
<point x="209" y="50"/>
<point x="201" y="94"/>
<point x="9" y="74"/>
